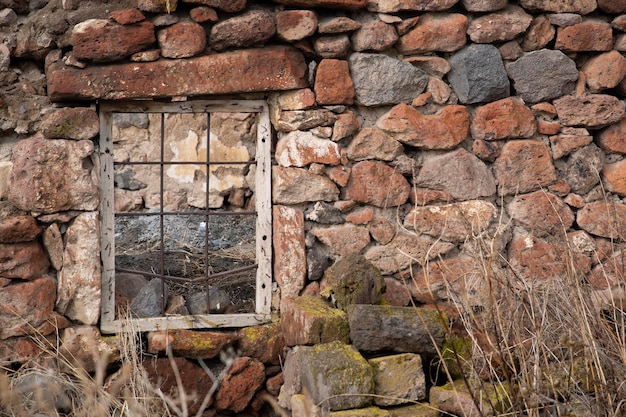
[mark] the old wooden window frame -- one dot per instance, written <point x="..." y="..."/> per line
<point x="262" y="314"/>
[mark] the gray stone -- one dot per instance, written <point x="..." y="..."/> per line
<point x="126" y="180"/>
<point x="477" y="74"/>
<point x="324" y="213"/>
<point x="543" y="75"/>
<point x="218" y="301"/>
<point x="381" y="80"/>
<point x="581" y="170"/>
<point x="317" y="260"/>
<point x="397" y="329"/>
<point x="148" y="302"/>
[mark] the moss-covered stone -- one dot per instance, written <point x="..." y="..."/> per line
<point x="415" y="410"/>
<point x="363" y="412"/>
<point x="455" y="397"/>
<point x="398" y="379"/>
<point x="353" y="280"/>
<point x="310" y="320"/>
<point x="336" y="376"/>
<point x="397" y="329"/>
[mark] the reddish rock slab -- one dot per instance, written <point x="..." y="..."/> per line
<point x="343" y="239"/>
<point x="289" y="249"/>
<point x="524" y="166"/>
<point x="243" y="380"/>
<point x="264" y="343"/>
<point x="102" y="40"/>
<point x="333" y="84"/>
<point x="604" y="71"/>
<point x="127" y="16"/>
<point x="16" y="226"/>
<point x="609" y="274"/>
<point x="432" y="65"/>
<point x="296" y="185"/>
<point x="541" y="213"/>
<point x="592" y="111"/>
<point x="561" y="6"/>
<point x="392" y="6"/>
<point x="294" y="25"/>
<point x="194" y="379"/>
<point x="374" y="36"/>
<point x="345" y="126"/>
<point x="539" y="34"/>
<point x="25" y="261"/>
<point x="252" y="28"/>
<point x="230" y="6"/>
<point x="508" y="118"/>
<point x="330" y="4"/>
<point x="26" y="306"/>
<point x="442" y="32"/>
<point x="503" y="25"/>
<point x="268" y="69"/>
<point x="444" y="130"/>
<point x="612" y="138"/>
<point x="568" y="141"/>
<point x="203" y="14"/>
<point x="378" y="184"/>
<point x="182" y="40"/>
<point x="373" y="143"/>
<point x="190" y="343"/>
<point x="615" y="177"/>
<point x="604" y="219"/>
<point x="585" y="36"/>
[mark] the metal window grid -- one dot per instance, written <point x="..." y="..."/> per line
<point x="109" y="323"/>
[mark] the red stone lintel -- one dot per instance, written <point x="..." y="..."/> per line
<point x="333" y="4"/>
<point x="272" y="68"/>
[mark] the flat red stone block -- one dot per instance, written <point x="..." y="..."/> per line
<point x="268" y="69"/>
<point x="332" y="4"/>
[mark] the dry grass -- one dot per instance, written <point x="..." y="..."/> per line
<point x="552" y="346"/>
<point x="61" y="386"/>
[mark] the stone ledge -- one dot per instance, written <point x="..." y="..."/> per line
<point x="251" y="70"/>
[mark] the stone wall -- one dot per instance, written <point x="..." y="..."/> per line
<point x="407" y="132"/>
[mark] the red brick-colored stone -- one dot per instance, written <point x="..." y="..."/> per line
<point x="203" y="14"/>
<point x="346" y="125"/>
<point x="612" y="138"/>
<point x="539" y="34"/>
<point x="374" y="36"/>
<point x="592" y="110"/>
<point x="545" y="127"/>
<point x="524" y="166"/>
<point x="508" y="118"/>
<point x="537" y="260"/>
<point x="17" y="226"/>
<point x="378" y="184"/>
<point x="194" y="379"/>
<point x="541" y="213"/>
<point x="485" y="150"/>
<point x="503" y="25"/>
<point x="373" y="143"/>
<point x="567" y="142"/>
<point x="182" y="40"/>
<point x="25" y="260"/>
<point x="433" y="65"/>
<point x="604" y="219"/>
<point x="300" y="148"/>
<point x="230" y="6"/>
<point x="101" y="40"/>
<point x="442" y="130"/>
<point x="615" y="177"/>
<point x="586" y="36"/>
<point x="444" y="32"/>
<point x="333" y="84"/>
<point x="344" y="238"/>
<point x="268" y="69"/>
<point x="331" y="4"/>
<point x="289" y="249"/>
<point x="604" y="71"/>
<point x="294" y="25"/>
<point x="190" y="344"/>
<point x="301" y="99"/>
<point x="392" y="6"/>
<point x="127" y="16"/>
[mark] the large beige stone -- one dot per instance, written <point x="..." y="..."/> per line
<point x="80" y="280"/>
<point x="289" y="249"/>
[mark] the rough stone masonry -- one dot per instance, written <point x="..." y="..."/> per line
<point x="405" y="132"/>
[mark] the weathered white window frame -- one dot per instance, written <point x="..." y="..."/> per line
<point x="262" y="314"/>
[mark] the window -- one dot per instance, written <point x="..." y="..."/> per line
<point x="186" y="213"/>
